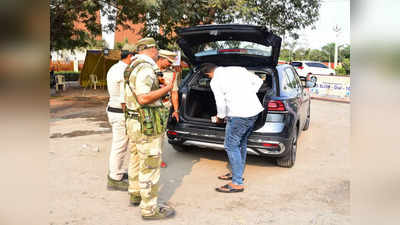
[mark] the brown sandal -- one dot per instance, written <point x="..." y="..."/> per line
<point x="227" y="176"/>
<point x="228" y="189"/>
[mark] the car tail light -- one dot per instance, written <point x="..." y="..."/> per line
<point x="300" y="67"/>
<point x="270" y="145"/>
<point x="172" y="133"/>
<point x="274" y="105"/>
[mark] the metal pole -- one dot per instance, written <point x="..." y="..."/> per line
<point x="336" y="29"/>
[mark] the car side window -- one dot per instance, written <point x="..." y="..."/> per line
<point x="285" y="82"/>
<point x="319" y="65"/>
<point x="298" y="81"/>
<point x="292" y="82"/>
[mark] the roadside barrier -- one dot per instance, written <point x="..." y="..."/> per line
<point x="335" y="88"/>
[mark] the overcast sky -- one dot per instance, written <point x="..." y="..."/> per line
<point x="332" y="12"/>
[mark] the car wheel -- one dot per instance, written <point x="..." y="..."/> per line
<point x="179" y="148"/>
<point x="307" y="124"/>
<point x="289" y="160"/>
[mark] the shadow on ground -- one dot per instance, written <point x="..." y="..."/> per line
<point x="180" y="164"/>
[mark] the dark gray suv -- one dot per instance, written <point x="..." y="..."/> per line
<point x="285" y="97"/>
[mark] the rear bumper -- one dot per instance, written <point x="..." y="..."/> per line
<point x="207" y="138"/>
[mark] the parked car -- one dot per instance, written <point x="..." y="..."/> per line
<point x="284" y="96"/>
<point x="305" y="68"/>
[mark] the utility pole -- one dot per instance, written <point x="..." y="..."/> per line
<point x="337" y="30"/>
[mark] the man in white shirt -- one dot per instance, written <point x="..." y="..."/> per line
<point x="235" y="91"/>
<point x="118" y="177"/>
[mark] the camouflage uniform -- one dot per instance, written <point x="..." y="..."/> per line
<point x="145" y="159"/>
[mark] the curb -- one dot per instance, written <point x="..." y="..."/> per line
<point x="331" y="100"/>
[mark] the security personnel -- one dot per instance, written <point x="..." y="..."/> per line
<point x="166" y="59"/>
<point x="164" y="62"/>
<point x="146" y="122"/>
<point x="117" y="176"/>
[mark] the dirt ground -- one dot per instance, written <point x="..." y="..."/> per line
<point x="315" y="191"/>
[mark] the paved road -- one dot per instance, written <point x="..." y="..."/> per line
<point x="315" y="191"/>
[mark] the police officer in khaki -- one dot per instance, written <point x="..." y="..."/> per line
<point x="165" y="62"/>
<point x="146" y="123"/>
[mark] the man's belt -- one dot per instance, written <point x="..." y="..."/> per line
<point x="115" y="110"/>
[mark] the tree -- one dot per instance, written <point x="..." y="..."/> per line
<point x="162" y="17"/>
<point x="344" y="52"/>
<point x="315" y="55"/>
<point x="328" y="52"/>
<point x="282" y="17"/>
<point x="285" y="55"/>
<point x="120" y="45"/>
<point x="346" y="65"/>
<point x="300" y="54"/>
<point x="65" y="14"/>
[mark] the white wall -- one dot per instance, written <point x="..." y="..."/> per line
<point x="68" y="55"/>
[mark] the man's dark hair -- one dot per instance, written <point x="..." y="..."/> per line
<point x="207" y="67"/>
<point x="125" y="54"/>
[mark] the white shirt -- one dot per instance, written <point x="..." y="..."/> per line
<point x="115" y="84"/>
<point x="235" y="90"/>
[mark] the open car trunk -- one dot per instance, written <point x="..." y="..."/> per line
<point x="200" y="103"/>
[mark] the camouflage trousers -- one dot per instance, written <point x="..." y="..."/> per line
<point x="144" y="166"/>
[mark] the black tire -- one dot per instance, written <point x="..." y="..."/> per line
<point x="179" y="148"/>
<point x="289" y="160"/>
<point x="307" y="124"/>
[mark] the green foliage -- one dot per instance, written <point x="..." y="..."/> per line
<point x="285" y="55"/>
<point x="346" y="65"/>
<point x="96" y="44"/>
<point x="282" y="17"/>
<point x="302" y="54"/>
<point x="120" y="45"/>
<point x="315" y="55"/>
<point x="340" y="70"/>
<point x="162" y="17"/>
<point x="63" y="14"/>
<point x="328" y="52"/>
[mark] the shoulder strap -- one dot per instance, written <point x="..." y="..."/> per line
<point x="128" y="72"/>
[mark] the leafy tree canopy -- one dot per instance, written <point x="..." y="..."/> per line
<point x="280" y="16"/>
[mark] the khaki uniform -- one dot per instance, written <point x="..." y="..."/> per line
<point x="168" y="75"/>
<point x="145" y="159"/>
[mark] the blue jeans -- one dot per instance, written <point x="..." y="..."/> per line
<point x="237" y="131"/>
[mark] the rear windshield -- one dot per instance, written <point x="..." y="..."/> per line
<point x="296" y="64"/>
<point x="319" y="65"/>
<point x="232" y="47"/>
